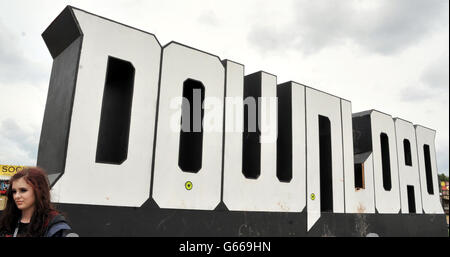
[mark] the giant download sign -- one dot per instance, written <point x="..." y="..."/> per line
<point x="127" y="119"/>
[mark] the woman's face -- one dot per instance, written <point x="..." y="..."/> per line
<point x="23" y="194"/>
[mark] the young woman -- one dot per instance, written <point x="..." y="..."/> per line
<point x="28" y="211"/>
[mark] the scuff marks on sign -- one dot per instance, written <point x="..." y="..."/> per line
<point x="361" y="225"/>
<point x="361" y="208"/>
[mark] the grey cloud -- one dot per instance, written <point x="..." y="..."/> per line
<point x="20" y="138"/>
<point x="442" y="158"/>
<point x="398" y="24"/>
<point x="268" y="40"/>
<point x="436" y="75"/>
<point x="14" y="66"/>
<point x="416" y="93"/>
<point x="208" y="18"/>
<point x="434" y="82"/>
<point x="386" y="28"/>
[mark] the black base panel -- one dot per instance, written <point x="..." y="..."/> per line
<point x="150" y="220"/>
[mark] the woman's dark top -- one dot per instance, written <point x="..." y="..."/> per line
<point x="22" y="228"/>
<point x="56" y="227"/>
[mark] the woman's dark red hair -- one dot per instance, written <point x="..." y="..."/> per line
<point x="44" y="209"/>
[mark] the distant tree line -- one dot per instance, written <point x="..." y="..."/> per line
<point x="442" y="177"/>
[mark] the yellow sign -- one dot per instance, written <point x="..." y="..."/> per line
<point x="3" y="200"/>
<point x="9" y="170"/>
<point x="313" y="196"/>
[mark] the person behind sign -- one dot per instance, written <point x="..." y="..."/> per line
<point x="29" y="212"/>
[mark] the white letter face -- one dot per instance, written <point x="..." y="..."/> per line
<point x="428" y="170"/>
<point x="408" y="167"/>
<point x="265" y="192"/>
<point x="325" y="176"/>
<point x="387" y="195"/>
<point x="187" y="167"/>
<point x="358" y="170"/>
<point x="91" y="175"/>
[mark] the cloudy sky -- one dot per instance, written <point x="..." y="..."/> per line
<point x="388" y="55"/>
